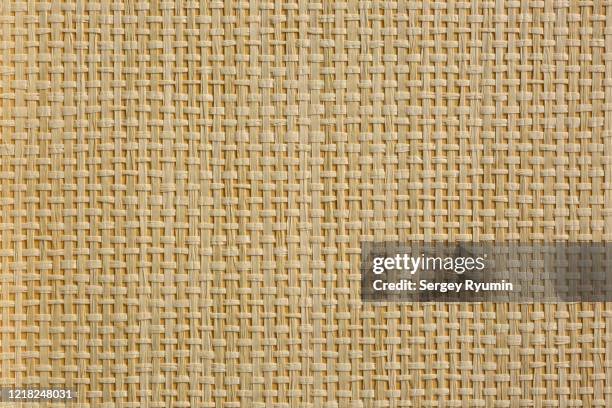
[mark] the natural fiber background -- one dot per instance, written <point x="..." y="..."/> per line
<point x="185" y="186"/>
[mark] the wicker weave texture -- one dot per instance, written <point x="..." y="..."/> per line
<point x="185" y="187"/>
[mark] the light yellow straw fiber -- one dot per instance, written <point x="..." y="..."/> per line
<point x="185" y="187"/>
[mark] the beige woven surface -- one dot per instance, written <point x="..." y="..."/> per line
<point x="185" y="187"/>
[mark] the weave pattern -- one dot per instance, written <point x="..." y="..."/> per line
<point x="185" y="187"/>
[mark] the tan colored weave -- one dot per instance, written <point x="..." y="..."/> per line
<point x="185" y="186"/>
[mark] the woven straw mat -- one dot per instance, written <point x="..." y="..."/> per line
<point x="185" y="188"/>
